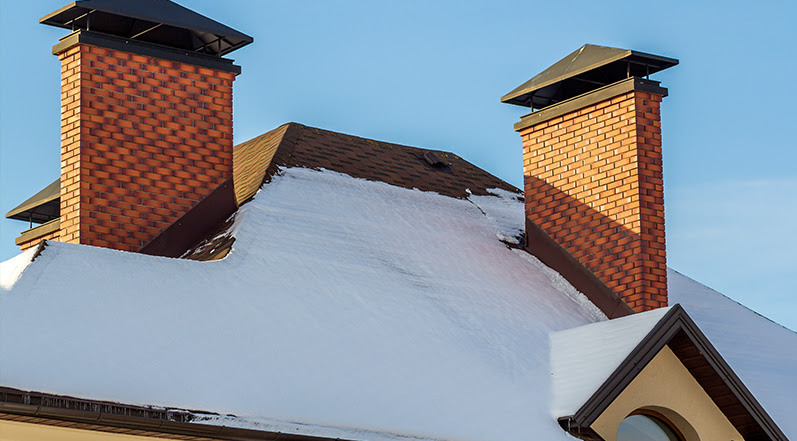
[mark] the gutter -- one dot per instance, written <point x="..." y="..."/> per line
<point x="41" y="408"/>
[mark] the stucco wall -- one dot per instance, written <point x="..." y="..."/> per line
<point x="18" y="431"/>
<point x="667" y="387"/>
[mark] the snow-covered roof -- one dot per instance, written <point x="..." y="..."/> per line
<point x="582" y="358"/>
<point x="761" y="352"/>
<point x="347" y="308"/>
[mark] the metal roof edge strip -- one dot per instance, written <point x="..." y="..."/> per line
<point x="588" y="99"/>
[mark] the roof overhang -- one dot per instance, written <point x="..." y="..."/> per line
<point x="43" y="206"/>
<point x="680" y="333"/>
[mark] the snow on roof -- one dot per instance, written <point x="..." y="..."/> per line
<point x="11" y="269"/>
<point x="583" y="358"/>
<point x="349" y="309"/>
<point x="761" y="352"/>
<point x="344" y="302"/>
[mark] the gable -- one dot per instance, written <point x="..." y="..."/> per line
<point x="678" y="333"/>
<point x="667" y="388"/>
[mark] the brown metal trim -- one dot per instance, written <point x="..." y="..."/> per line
<point x="545" y="248"/>
<point x="106" y="416"/>
<point x="674" y="322"/>
<point x="585" y="433"/>
<point x="38" y="231"/>
<point x="146" y="49"/>
<point x="193" y="227"/>
<point x="89" y="426"/>
<point x="588" y="99"/>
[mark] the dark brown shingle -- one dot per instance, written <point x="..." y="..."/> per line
<point x="296" y="145"/>
<point x="399" y="165"/>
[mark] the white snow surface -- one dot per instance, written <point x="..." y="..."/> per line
<point x="11" y="269"/>
<point x="348" y="309"/>
<point x="582" y="358"/>
<point x="503" y="210"/>
<point x="347" y="306"/>
<point x="761" y="352"/>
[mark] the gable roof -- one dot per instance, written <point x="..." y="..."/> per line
<point x="295" y="145"/>
<point x="421" y="286"/>
<point x="346" y="303"/>
<point x="673" y="328"/>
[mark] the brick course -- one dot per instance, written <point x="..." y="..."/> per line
<point x="143" y="140"/>
<point x="593" y="182"/>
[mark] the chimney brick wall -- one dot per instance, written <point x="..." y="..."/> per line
<point x="54" y="235"/>
<point x="593" y="182"/>
<point x="143" y="140"/>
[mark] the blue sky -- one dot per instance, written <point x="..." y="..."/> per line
<point x="430" y="73"/>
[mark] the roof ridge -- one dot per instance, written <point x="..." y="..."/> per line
<point x="294" y="144"/>
<point x="349" y="135"/>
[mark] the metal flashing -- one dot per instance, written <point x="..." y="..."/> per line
<point x="677" y="324"/>
<point x="42" y="207"/>
<point x="582" y="71"/>
<point x="544" y="247"/>
<point x="596" y="96"/>
<point x="160" y="22"/>
<point x="193" y="226"/>
<point x="146" y="49"/>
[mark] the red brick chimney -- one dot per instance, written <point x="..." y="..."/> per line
<point x="146" y="117"/>
<point x="593" y="173"/>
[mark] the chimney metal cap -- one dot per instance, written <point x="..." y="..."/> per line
<point x="41" y="207"/>
<point x="154" y="21"/>
<point x="586" y="69"/>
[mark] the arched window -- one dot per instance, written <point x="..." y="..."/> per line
<point x="641" y="427"/>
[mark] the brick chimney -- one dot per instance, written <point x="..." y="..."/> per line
<point x="592" y="169"/>
<point x="146" y="117"/>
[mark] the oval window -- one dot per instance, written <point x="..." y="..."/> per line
<point x="645" y="428"/>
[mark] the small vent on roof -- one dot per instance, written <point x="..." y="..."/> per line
<point x="434" y="160"/>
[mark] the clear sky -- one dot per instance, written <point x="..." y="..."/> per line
<point x="430" y="74"/>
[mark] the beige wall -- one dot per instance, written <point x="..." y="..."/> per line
<point x="17" y="431"/>
<point x="667" y="387"/>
